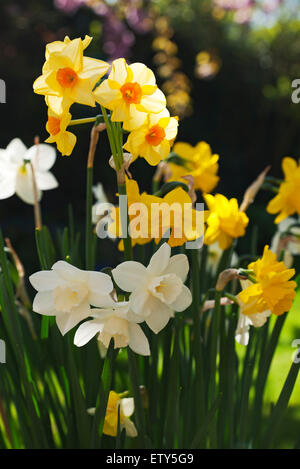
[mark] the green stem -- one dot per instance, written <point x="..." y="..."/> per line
<point x="86" y="120"/>
<point x="89" y="226"/>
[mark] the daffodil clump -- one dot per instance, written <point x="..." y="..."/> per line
<point x="162" y="322"/>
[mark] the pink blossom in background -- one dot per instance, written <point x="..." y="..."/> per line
<point x="69" y="6"/>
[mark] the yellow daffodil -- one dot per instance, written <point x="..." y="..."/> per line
<point x="225" y="221"/>
<point x="126" y="405"/>
<point x="150" y="217"/>
<point x="56" y="126"/>
<point x="287" y="201"/>
<point x="273" y="291"/>
<point x="153" y="140"/>
<point x="68" y="76"/>
<point x="130" y="92"/>
<point x="197" y="161"/>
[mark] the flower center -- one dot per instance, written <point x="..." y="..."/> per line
<point x="53" y="125"/>
<point x="155" y="135"/>
<point x="132" y="93"/>
<point x="66" y="77"/>
<point x="166" y="288"/>
<point x="67" y="298"/>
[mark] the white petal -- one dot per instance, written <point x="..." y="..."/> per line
<point x="130" y="428"/>
<point x="127" y="406"/>
<point x="98" y="281"/>
<point x="183" y="300"/>
<point x="159" y="260"/>
<point x="69" y="272"/>
<point x="45" y="181"/>
<point x="242" y="330"/>
<point x="129" y="275"/>
<point x="7" y="185"/>
<point x="139" y="300"/>
<point x="86" y="332"/>
<point x="16" y="150"/>
<point x="66" y="321"/>
<point x="44" y="280"/>
<point x="159" y="318"/>
<point x="101" y="301"/>
<point x="178" y="265"/>
<point x="43" y="303"/>
<point x="24" y="186"/>
<point x="43" y="156"/>
<point x="138" y="342"/>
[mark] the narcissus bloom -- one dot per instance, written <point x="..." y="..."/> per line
<point x="225" y="221"/>
<point x="116" y="322"/>
<point x="130" y="92"/>
<point x="157" y="290"/>
<point x="287" y="239"/>
<point x="154" y="138"/>
<point x="56" y="126"/>
<point x="287" y="201"/>
<point x="16" y="173"/>
<point x="126" y="405"/>
<point x="197" y="161"/>
<point x="151" y="217"/>
<point x="101" y="202"/>
<point x="68" y="76"/>
<point x="273" y="290"/>
<point x="67" y="293"/>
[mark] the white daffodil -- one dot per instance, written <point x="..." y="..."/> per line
<point x="126" y="405"/>
<point x="101" y="203"/>
<point x="116" y="322"/>
<point x="157" y="290"/>
<point x="245" y="321"/>
<point x="287" y="238"/>
<point x="16" y="173"/>
<point x="67" y="293"/>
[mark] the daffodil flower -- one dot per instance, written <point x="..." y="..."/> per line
<point x="67" y="292"/>
<point x="16" y="172"/>
<point x="157" y="290"/>
<point x="126" y="405"/>
<point x="56" y="126"/>
<point x="245" y="321"/>
<point x="272" y="291"/>
<point x="68" y="76"/>
<point x="287" y="201"/>
<point x="130" y="92"/>
<point x="116" y="322"/>
<point x="153" y="139"/>
<point x="225" y="221"/>
<point x="287" y="239"/>
<point x="197" y="161"/>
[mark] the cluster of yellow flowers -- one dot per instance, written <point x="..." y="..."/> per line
<point x="131" y="94"/>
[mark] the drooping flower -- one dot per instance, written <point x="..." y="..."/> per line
<point x="154" y="138"/>
<point x="287" y="239"/>
<point x="16" y="172"/>
<point x="126" y="405"/>
<point x="130" y="92"/>
<point x="101" y="202"/>
<point x="273" y="290"/>
<point x="67" y="293"/>
<point x="225" y="221"/>
<point x="214" y="254"/>
<point x="287" y="201"/>
<point x="197" y="161"/>
<point x="68" y="76"/>
<point x="157" y="290"/>
<point x="116" y="322"/>
<point x="56" y="126"/>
